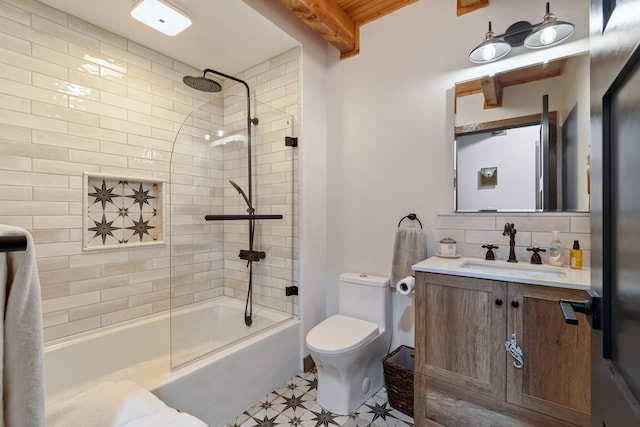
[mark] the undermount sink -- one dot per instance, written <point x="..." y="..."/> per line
<point x="530" y="270"/>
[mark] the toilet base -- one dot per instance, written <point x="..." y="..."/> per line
<point x="349" y="398"/>
<point x="346" y="382"/>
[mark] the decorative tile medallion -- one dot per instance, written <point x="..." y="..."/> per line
<point x="121" y="211"/>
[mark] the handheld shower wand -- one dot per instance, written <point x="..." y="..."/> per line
<point x="249" y="256"/>
<point x="250" y="209"/>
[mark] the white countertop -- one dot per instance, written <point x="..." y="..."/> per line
<point x="521" y="272"/>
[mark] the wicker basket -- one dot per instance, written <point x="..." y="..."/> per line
<point x="398" y="378"/>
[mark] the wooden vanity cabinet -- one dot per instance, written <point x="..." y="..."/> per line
<point x="556" y="377"/>
<point x="463" y="375"/>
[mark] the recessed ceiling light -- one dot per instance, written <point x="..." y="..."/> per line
<point x="161" y="16"/>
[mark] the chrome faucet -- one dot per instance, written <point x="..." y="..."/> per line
<point x="510" y="230"/>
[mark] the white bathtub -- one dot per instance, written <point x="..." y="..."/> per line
<point x="214" y="388"/>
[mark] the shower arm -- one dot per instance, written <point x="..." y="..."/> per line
<point x="250" y="121"/>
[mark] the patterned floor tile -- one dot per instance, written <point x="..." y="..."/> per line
<point x="295" y="404"/>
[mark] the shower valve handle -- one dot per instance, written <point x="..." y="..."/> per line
<point x="251" y="255"/>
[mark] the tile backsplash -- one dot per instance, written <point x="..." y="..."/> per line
<point x="471" y="231"/>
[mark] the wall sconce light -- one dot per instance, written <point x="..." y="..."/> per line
<point x="161" y="15"/>
<point x="547" y="33"/>
<point x="491" y="49"/>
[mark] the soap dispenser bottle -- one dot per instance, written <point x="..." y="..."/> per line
<point x="555" y="254"/>
<point x="576" y="256"/>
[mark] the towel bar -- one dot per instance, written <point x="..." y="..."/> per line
<point x="13" y="243"/>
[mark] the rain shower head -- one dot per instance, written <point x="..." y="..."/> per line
<point x="202" y="83"/>
<point x="246" y="199"/>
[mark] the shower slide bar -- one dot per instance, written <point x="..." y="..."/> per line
<point x="239" y="217"/>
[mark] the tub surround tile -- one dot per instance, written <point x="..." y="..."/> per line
<point x="77" y="98"/>
<point x="126" y="314"/>
<point x="56" y="318"/>
<point x="70" y="328"/>
<point x="46" y="250"/>
<point x="71" y="301"/>
<point x="153" y="297"/>
<point x="98" y="309"/>
<point x="53" y="264"/>
<point x="54" y="291"/>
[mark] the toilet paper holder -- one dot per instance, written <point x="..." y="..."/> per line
<point x="405" y="286"/>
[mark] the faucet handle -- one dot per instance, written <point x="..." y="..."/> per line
<point x="490" y="256"/>
<point x="535" y="257"/>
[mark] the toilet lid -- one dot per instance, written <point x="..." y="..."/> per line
<point x="340" y="334"/>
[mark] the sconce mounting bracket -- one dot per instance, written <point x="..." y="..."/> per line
<point x="517" y="32"/>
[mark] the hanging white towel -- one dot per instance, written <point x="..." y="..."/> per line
<point x="21" y="336"/>
<point x="409" y="247"/>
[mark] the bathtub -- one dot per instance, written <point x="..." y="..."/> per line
<point x="215" y="387"/>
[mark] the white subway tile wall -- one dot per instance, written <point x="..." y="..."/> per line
<point x="471" y="231"/>
<point x="75" y="98"/>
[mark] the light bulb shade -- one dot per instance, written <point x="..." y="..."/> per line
<point x="549" y="34"/>
<point x="489" y="50"/>
<point x="161" y="16"/>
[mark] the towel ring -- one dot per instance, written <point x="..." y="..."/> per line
<point x="412" y="217"/>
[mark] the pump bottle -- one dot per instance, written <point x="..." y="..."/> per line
<point x="576" y="256"/>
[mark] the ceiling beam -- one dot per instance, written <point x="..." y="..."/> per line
<point x="492" y="90"/>
<point x="492" y="86"/>
<point x="466" y="6"/>
<point x="330" y="21"/>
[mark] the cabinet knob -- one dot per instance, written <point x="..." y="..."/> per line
<point x="515" y="304"/>
<point x="498" y="302"/>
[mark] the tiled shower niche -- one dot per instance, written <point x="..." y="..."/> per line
<point x="122" y="212"/>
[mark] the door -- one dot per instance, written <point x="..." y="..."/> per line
<point x="615" y="217"/>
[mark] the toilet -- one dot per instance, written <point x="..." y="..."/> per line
<point x="348" y="347"/>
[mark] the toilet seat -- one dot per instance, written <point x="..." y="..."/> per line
<point x="340" y="334"/>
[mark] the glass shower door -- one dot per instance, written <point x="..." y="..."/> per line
<point x="213" y="261"/>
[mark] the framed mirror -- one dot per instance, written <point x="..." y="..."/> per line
<point x="540" y="161"/>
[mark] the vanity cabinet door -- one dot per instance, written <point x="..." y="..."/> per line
<point x="460" y="324"/>
<point x="555" y="379"/>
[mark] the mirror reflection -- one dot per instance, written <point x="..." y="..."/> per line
<point x="509" y="156"/>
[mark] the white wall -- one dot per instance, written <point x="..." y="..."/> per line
<point x="377" y="133"/>
<point x="390" y="127"/>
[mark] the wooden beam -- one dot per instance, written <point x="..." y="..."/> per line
<point x="364" y="11"/>
<point x="492" y="91"/>
<point x="492" y="87"/>
<point x="329" y="20"/>
<point x="514" y="122"/>
<point x="466" y="6"/>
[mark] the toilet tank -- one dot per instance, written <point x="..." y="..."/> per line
<point x="365" y="297"/>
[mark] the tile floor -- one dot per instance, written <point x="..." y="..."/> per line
<point x="294" y="404"/>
